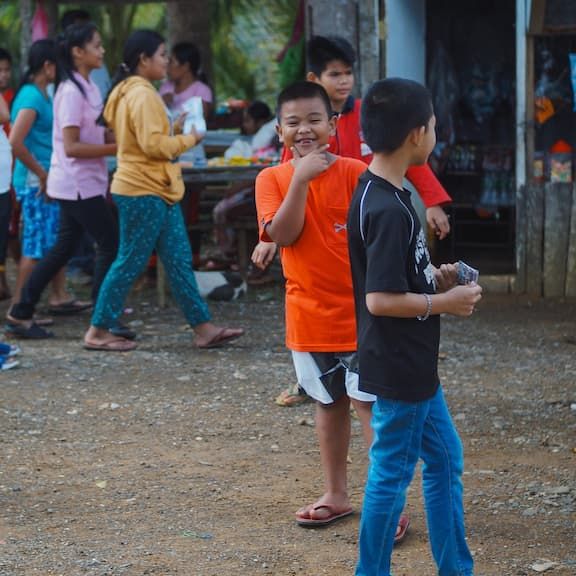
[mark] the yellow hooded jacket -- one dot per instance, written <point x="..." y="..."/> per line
<point x="146" y="149"/>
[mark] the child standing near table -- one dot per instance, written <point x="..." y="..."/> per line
<point x="398" y="323"/>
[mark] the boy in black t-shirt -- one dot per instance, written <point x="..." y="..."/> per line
<point x="398" y="324"/>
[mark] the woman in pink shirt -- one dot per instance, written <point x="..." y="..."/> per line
<point x="184" y="79"/>
<point x="78" y="176"/>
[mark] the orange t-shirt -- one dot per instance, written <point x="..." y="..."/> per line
<point x="319" y="296"/>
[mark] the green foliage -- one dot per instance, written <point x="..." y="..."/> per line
<point x="10" y="28"/>
<point x="247" y="36"/>
<point x="115" y="21"/>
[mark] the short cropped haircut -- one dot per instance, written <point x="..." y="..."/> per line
<point x="391" y="109"/>
<point x="321" y="50"/>
<point x="5" y="55"/>
<point x="303" y="90"/>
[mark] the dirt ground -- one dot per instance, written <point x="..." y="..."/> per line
<point x="170" y="460"/>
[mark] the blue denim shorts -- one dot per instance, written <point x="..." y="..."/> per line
<point x="40" y="223"/>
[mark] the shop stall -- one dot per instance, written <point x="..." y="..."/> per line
<point x="546" y="203"/>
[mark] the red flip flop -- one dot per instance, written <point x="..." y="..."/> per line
<point x="402" y="529"/>
<point x="309" y="522"/>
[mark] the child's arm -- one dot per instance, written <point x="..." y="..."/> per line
<point x="75" y="148"/>
<point x="427" y="185"/>
<point x="286" y="226"/>
<point x="459" y="301"/>
<point x="4" y="112"/>
<point x="263" y="254"/>
<point x="147" y="115"/>
<point x="433" y="195"/>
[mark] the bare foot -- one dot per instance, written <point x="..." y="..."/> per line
<point x="327" y="509"/>
<point x="209" y="335"/>
<point x="99" y="339"/>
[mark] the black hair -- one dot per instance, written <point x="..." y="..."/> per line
<point x="71" y="17"/>
<point x="40" y="52"/>
<point x="5" y="55"/>
<point x="259" y="111"/>
<point x="188" y="53"/>
<point x="321" y="50"/>
<point x="301" y="90"/>
<point x="75" y="36"/>
<point x="391" y="109"/>
<point x="141" y="42"/>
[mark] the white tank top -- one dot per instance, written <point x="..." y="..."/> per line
<point x="5" y="162"/>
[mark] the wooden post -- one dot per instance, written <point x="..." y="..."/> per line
<point x="570" y="290"/>
<point x="557" y="202"/>
<point x="534" y="238"/>
<point x="26" y="34"/>
<point x="530" y="107"/>
<point x="521" y="238"/>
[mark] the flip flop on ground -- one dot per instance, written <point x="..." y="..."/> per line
<point x="69" y="308"/>
<point x="221" y="337"/>
<point x="113" y="345"/>
<point x="308" y="516"/>
<point x="401" y="529"/>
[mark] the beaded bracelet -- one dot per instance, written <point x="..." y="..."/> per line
<point x="428" y="308"/>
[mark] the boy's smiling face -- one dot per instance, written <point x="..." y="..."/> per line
<point x="338" y="81"/>
<point x="305" y="124"/>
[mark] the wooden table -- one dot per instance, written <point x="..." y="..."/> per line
<point x="218" y="175"/>
<point x="221" y="174"/>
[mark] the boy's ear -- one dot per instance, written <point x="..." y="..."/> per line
<point x="279" y="132"/>
<point x="332" y="122"/>
<point x="417" y="136"/>
<point x="311" y="77"/>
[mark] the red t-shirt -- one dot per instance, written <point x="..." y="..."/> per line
<point x="8" y="96"/>
<point x="348" y="142"/>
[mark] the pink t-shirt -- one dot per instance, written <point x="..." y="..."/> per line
<point x="74" y="178"/>
<point x="195" y="89"/>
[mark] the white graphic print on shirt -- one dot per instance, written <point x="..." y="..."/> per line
<point x="421" y="253"/>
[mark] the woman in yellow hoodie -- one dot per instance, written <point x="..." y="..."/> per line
<point x="147" y="187"/>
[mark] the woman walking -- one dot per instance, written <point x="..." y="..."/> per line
<point x="78" y="178"/>
<point x="147" y="187"/>
<point x="31" y="141"/>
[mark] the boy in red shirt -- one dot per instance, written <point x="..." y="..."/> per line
<point x="302" y="206"/>
<point x="330" y="63"/>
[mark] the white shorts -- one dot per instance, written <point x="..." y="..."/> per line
<point x="327" y="376"/>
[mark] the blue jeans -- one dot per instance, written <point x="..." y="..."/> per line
<point x="147" y="223"/>
<point x="403" y="433"/>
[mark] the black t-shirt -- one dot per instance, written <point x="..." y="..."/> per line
<point x="398" y="357"/>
